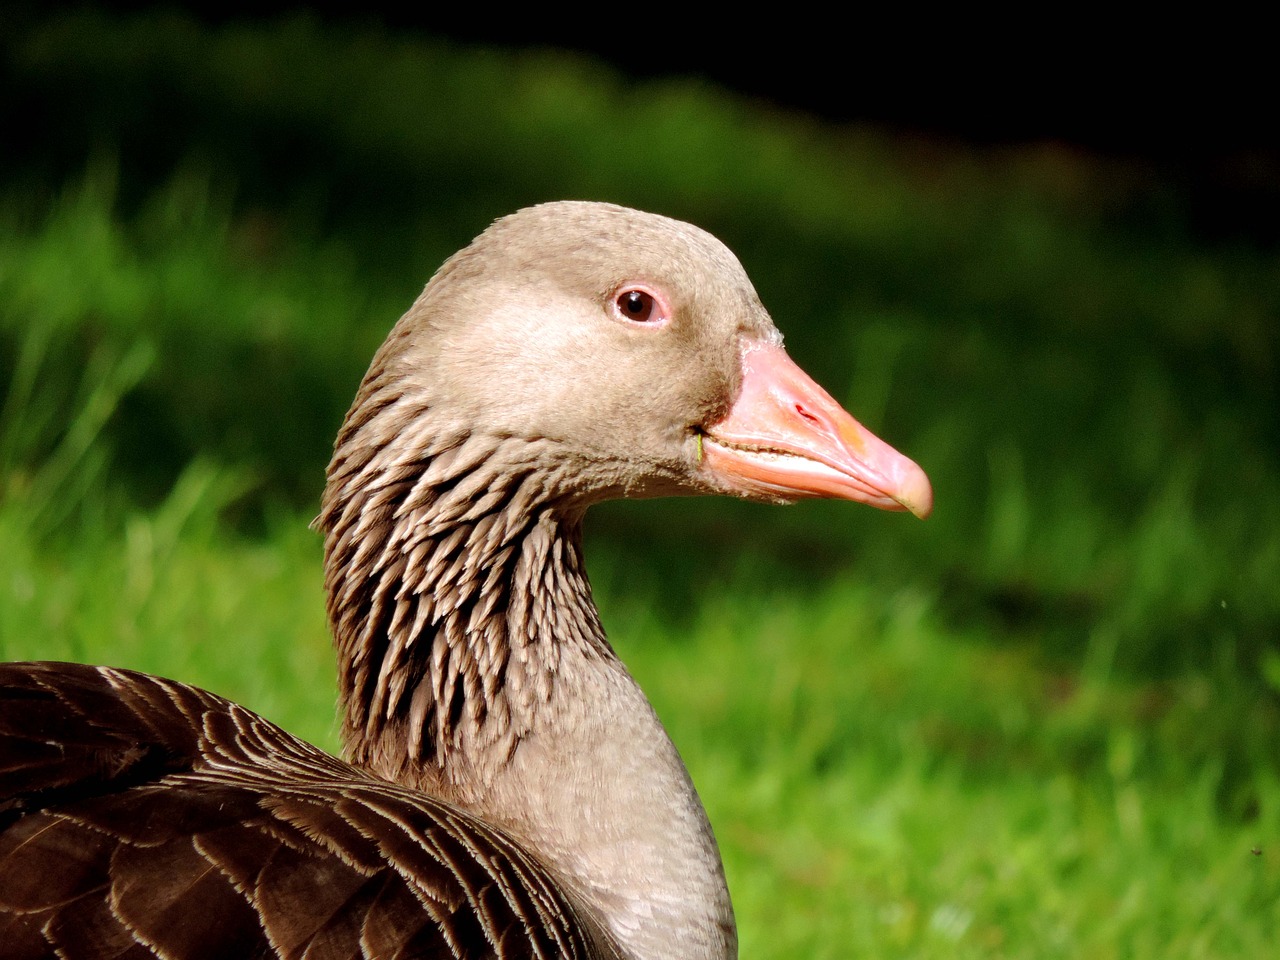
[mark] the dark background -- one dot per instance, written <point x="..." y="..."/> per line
<point x="1195" y="99"/>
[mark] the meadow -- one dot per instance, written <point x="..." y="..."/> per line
<point x="1043" y="723"/>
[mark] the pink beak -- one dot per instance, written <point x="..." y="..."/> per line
<point x="786" y="439"/>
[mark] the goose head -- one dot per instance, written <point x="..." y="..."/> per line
<point x="634" y="349"/>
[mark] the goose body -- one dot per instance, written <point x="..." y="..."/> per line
<point x="507" y="789"/>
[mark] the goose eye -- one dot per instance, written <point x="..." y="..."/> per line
<point x="637" y="305"/>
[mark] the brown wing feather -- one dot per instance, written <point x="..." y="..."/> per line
<point x="145" y="818"/>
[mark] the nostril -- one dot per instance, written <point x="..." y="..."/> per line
<point x="806" y="414"/>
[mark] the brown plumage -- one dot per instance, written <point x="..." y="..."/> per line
<point x="150" y="818"/>
<point x="509" y="791"/>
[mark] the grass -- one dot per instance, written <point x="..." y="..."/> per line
<point x="1042" y="724"/>
<point x="880" y="783"/>
<point x="889" y="786"/>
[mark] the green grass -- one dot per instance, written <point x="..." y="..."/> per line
<point x="1044" y="723"/>
<point x="886" y="787"/>
<point x="880" y="783"/>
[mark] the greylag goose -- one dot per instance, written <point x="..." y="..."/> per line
<point x="507" y="790"/>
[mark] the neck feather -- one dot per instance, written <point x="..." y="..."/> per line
<point x="454" y="587"/>
<point x="473" y="666"/>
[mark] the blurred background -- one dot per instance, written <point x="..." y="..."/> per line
<point x="1042" y="723"/>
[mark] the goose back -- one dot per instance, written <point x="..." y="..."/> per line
<point x="171" y="822"/>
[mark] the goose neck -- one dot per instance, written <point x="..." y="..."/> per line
<point x="473" y="666"/>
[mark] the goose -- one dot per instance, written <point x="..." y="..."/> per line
<point x="507" y="789"/>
